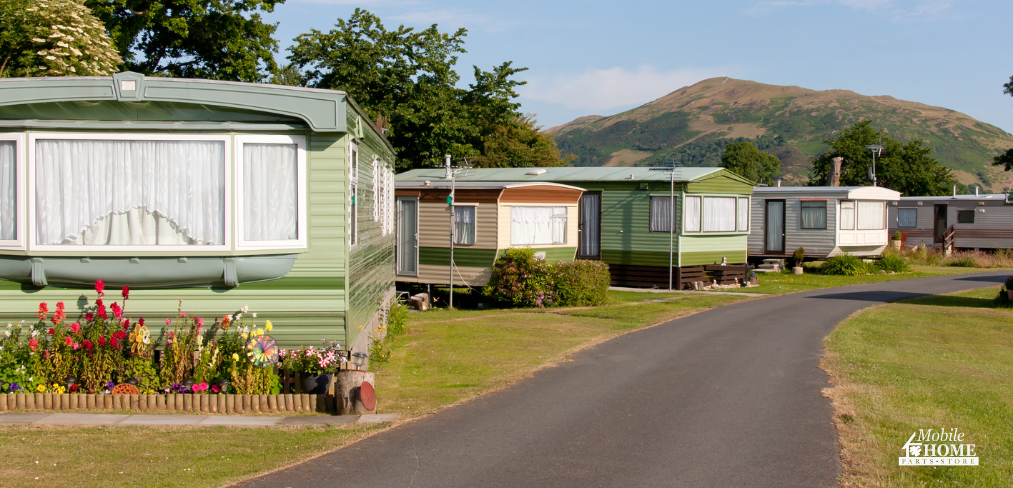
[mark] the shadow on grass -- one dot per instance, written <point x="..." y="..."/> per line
<point x="870" y="296"/>
<point x="958" y="301"/>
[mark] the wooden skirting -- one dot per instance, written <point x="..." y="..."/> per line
<point x="657" y="276"/>
<point x="173" y="402"/>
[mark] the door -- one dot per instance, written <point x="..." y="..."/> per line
<point x="939" y="229"/>
<point x="589" y="228"/>
<point x="408" y="236"/>
<point x="773" y="231"/>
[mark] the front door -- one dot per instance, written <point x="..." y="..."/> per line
<point x="408" y="236"/>
<point x="939" y="229"/>
<point x="773" y="235"/>
<point x="589" y="246"/>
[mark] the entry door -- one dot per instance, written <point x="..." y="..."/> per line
<point x="590" y="226"/>
<point x="939" y="229"/>
<point x="774" y="228"/>
<point x="408" y="236"/>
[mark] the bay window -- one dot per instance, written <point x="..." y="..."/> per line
<point x="871" y="215"/>
<point x="719" y="214"/>
<point x="847" y="215"/>
<point x="353" y="213"/>
<point x="743" y="214"/>
<point x="8" y="191"/>
<point x="537" y="225"/>
<point x="692" y="214"/>
<point x="271" y="192"/>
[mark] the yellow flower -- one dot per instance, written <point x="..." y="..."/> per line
<point x="235" y="357"/>
<point x="41" y="388"/>
<point x="243" y="335"/>
<point x="268" y="326"/>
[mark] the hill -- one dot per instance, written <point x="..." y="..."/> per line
<point x="693" y="124"/>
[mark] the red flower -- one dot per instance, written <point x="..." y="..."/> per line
<point x="75" y="327"/>
<point x="98" y="303"/>
<point x="59" y="306"/>
<point x="117" y="311"/>
<point x="52" y="331"/>
<point x="87" y="345"/>
<point x="102" y="341"/>
<point x="99" y="287"/>
<point x="125" y="292"/>
<point x="140" y="321"/>
<point x="89" y="316"/>
<point x="102" y="312"/>
<point x="68" y="340"/>
<point x="33" y="343"/>
<point x="43" y="310"/>
<point x="73" y="388"/>
<point x="120" y="335"/>
<point x="114" y="343"/>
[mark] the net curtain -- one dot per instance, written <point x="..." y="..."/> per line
<point x="814" y="215"/>
<point x="718" y="214"/>
<point x="270" y="191"/>
<point x="129" y="192"/>
<point x="8" y="202"/>
<point x="870" y="215"/>
<point x="537" y="225"/>
<point x="661" y="220"/>
<point x="464" y="225"/>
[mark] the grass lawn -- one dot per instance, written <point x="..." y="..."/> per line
<point x="445" y="357"/>
<point x="786" y="282"/>
<point x="933" y="362"/>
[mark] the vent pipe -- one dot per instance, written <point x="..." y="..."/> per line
<point x="448" y="167"/>
<point x="975" y="191"/>
<point x="954" y="191"/>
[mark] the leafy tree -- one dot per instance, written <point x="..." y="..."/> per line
<point x="748" y="161"/>
<point x="518" y="143"/>
<point x="1005" y="160"/>
<point x="408" y="77"/>
<point x="904" y="167"/>
<point x="213" y="39"/>
<point x="53" y="38"/>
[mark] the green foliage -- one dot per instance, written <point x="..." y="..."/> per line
<point x="798" y="256"/>
<point x="892" y="263"/>
<point x="746" y="160"/>
<point x="581" y="283"/>
<point x="397" y="324"/>
<point x="897" y="236"/>
<point x="904" y="167"/>
<point x="408" y="77"/>
<point x="212" y="39"/>
<point x="521" y="280"/>
<point x="845" y="265"/>
<point x="53" y="38"/>
<point x="1004" y="159"/>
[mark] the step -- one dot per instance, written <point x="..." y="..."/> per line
<point x="765" y="270"/>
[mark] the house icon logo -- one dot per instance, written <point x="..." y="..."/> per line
<point x="942" y="447"/>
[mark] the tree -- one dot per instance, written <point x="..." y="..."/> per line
<point x="1004" y="159"/>
<point x="904" y="167"/>
<point x="408" y="77"/>
<point x="53" y="38"/>
<point x="213" y="39"/>
<point x="518" y="143"/>
<point x="746" y="160"/>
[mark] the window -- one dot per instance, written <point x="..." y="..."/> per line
<point x="661" y="219"/>
<point x="907" y="217"/>
<point x="692" y="214"/>
<point x="847" y="215"/>
<point x="743" y="215"/>
<point x="871" y="215"/>
<point x="129" y="190"/>
<point x="377" y="192"/>
<point x="965" y="216"/>
<point x="353" y="212"/>
<point x="272" y="191"/>
<point x="464" y="225"/>
<point x="537" y="225"/>
<point x="9" y="192"/>
<point x="719" y="214"/>
<point x="814" y="214"/>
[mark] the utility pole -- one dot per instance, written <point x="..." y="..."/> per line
<point x="671" y="219"/>
<point x="453" y="227"/>
<point x="877" y="149"/>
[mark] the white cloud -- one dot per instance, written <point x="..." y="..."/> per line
<point x="895" y="8"/>
<point x="604" y="89"/>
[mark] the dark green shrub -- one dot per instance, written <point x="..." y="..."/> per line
<point x="892" y="263"/>
<point x="521" y="280"/>
<point x="581" y="283"/>
<point x="845" y="265"/>
<point x="799" y="256"/>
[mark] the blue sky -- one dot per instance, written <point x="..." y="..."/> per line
<point x="597" y="57"/>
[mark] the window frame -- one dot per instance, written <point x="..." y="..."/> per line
<point x="566" y="228"/>
<point x="302" y="210"/>
<point x="19" y="243"/>
<point x="736" y="229"/>
<point x="738" y="226"/>
<point x="685" y="214"/>
<point x="801" y="205"/>
<point x="883" y="217"/>
<point x="965" y="212"/>
<point x="227" y="225"/>
<point x="650" y="213"/>
<point x="854" y="214"/>
<point x="474" y="224"/>
<point x="915" y="209"/>
<point x="353" y="195"/>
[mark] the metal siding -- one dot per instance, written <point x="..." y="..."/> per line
<point x="705" y="249"/>
<point x="434" y="225"/>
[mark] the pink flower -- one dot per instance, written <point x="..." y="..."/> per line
<point x="67" y="340"/>
<point x="167" y="321"/>
<point x="200" y="322"/>
<point x="75" y="327"/>
<point x="75" y="345"/>
<point x="117" y="311"/>
<point x="99" y="287"/>
<point x="89" y="316"/>
<point x="33" y="343"/>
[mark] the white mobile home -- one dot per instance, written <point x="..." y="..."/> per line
<point x="971" y="221"/>
<point x="825" y="220"/>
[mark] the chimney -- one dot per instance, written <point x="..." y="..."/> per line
<point x="779" y="182"/>
<point x="954" y="191"/>
<point x="975" y="191"/>
<point x="834" y="178"/>
<point x="449" y="175"/>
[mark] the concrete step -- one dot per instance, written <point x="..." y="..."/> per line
<point x="766" y="270"/>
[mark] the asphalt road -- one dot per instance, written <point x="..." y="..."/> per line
<point x="725" y="398"/>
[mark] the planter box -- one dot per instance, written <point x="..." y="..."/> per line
<point x="173" y="402"/>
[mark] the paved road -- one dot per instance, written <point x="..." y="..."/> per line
<point x="725" y="398"/>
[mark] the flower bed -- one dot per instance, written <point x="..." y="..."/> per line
<point x="193" y="363"/>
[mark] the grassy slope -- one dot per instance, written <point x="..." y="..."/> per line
<point x="935" y="362"/>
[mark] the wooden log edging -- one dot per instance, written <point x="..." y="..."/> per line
<point x="207" y="404"/>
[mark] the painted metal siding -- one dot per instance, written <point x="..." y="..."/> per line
<point x="697" y="250"/>
<point x="434" y="225"/>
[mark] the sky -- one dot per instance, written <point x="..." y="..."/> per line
<point x="601" y="58"/>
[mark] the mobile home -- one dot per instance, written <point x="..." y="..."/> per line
<point x="825" y="220"/>
<point x="624" y="218"/>
<point x="220" y="194"/>
<point x="961" y="221"/>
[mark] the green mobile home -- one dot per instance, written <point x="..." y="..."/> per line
<point x="624" y="218"/>
<point x="220" y="194"/>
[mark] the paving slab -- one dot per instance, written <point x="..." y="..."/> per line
<point x="163" y="419"/>
<point x="81" y="419"/>
<point x="21" y="418"/>
<point x="334" y="420"/>
<point x="241" y="421"/>
<point x="376" y="418"/>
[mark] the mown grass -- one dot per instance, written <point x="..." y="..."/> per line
<point x="932" y="362"/>
<point x="445" y="357"/>
<point x="786" y="282"/>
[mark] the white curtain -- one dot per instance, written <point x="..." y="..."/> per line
<point x="870" y="215"/>
<point x="775" y="226"/>
<point x="907" y="217"/>
<point x="661" y="208"/>
<point x="719" y="214"/>
<point x="537" y="225"/>
<point x="814" y="215"/>
<point x="692" y="214"/>
<point x="464" y="225"/>
<point x="270" y="192"/>
<point x="80" y="182"/>
<point x="743" y="214"/>
<point x="8" y="195"/>
<point x="847" y="215"/>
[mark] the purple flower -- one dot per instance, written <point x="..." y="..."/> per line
<point x="15" y="387"/>
<point x="110" y="385"/>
